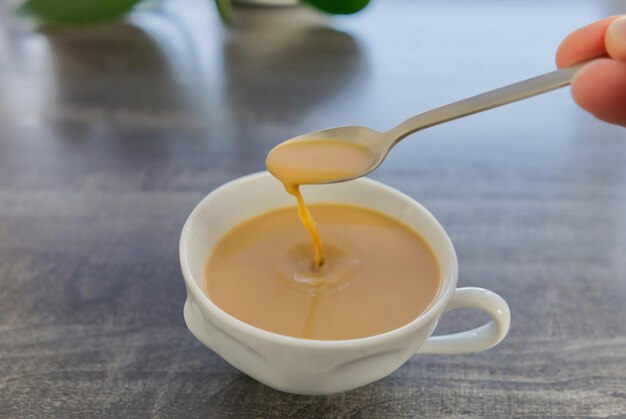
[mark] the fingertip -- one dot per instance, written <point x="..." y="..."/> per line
<point x="562" y="55"/>
<point x="600" y="88"/>
<point x="615" y="39"/>
<point x="580" y="88"/>
<point x="583" y="44"/>
<point x="568" y="51"/>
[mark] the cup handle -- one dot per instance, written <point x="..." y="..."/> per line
<point x="478" y="339"/>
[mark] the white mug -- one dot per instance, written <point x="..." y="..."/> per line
<point x="311" y="367"/>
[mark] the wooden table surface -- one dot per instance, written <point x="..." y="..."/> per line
<point x="109" y="136"/>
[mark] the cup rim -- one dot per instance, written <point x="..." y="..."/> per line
<point x="431" y="313"/>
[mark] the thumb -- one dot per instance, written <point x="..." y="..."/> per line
<point x="615" y="39"/>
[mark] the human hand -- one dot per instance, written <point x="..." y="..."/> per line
<point x="600" y="86"/>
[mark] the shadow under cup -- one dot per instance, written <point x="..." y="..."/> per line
<point x="315" y="366"/>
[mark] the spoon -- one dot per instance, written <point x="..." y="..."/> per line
<point x="378" y="144"/>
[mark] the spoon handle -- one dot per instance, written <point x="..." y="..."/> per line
<point x="487" y="100"/>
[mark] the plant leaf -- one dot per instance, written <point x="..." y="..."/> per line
<point x="75" y="12"/>
<point x="338" y="7"/>
<point x="225" y="10"/>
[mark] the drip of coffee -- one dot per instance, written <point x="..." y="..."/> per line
<point x="311" y="162"/>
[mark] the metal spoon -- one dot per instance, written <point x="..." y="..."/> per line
<point x="380" y="143"/>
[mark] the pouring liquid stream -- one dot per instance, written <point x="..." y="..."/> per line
<point x="309" y="223"/>
<point x="314" y="162"/>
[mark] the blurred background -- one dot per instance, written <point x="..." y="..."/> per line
<point x="172" y="72"/>
<point x="111" y="133"/>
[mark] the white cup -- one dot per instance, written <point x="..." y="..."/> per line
<point x="315" y="366"/>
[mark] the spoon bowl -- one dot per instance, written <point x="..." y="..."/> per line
<point x="376" y="143"/>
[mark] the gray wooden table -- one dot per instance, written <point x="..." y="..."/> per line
<point x="109" y="135"/>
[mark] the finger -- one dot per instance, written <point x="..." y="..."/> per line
<point x="584" y="44"/>
<point x="600" y="88"/>
<point x="615" y="39"/>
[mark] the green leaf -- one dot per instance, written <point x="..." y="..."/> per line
<point x="75" y="12"/>
<point x="225" y="10"/>
<point x="338" y="7"/>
